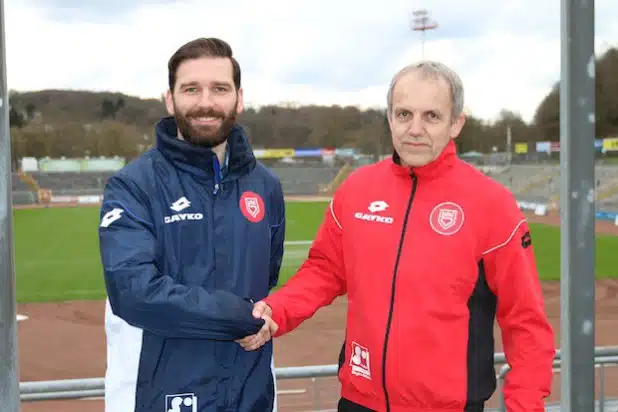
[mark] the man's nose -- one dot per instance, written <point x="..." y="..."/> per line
<point x="206" y="100"/>
<point x="416" y="126"/>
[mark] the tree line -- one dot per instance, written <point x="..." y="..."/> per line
<point x="56" y="123"/>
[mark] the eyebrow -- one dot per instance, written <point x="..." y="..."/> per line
<point x="183" y="85"/>
<point x="216" y="83"/>
<point x="402" y="108"/>
<point x="226" y="84"/>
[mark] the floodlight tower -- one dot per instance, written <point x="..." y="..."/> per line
<point x="421" y="21"/>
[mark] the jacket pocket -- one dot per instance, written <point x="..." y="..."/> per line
<point x="360" y="364"/>
<point x="430" y="363"/>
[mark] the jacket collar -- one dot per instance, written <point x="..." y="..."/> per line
<point x="434" y="169"/>
<point x="200" y="161"/>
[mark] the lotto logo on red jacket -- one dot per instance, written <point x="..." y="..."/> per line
<point x="375" y="208"/>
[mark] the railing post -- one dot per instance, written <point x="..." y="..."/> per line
<point x="602" y="389"/>
<point x="501" y="377"/>
<point x="316" y="400"/>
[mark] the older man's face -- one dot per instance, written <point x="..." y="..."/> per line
<point x="421" y="119"/>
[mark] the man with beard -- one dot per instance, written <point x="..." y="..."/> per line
<point x="191" y="234"/>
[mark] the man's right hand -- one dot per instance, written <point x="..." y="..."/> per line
<point x="260" y="311"/>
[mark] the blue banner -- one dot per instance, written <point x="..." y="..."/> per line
<point x="307" y="152"/>
<point x="606" y="215"/>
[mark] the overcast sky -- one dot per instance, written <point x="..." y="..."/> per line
<point x="318" y="51"/>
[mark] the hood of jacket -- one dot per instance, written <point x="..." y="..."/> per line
<point x="202" y="161"/>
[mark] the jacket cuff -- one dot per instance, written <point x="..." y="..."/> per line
<point x="278" y="315"/>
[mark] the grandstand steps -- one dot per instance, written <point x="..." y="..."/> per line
<point x="330" y="187"/>
<point x="538" y="183"/>
<point x="29" y="180"/>
<point x="608" y="190"/>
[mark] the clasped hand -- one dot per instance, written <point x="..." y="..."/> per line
<point x="260" y="311"/>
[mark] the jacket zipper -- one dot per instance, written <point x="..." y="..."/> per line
<point x="393" y="287"/>
<point x="217" y="174"/>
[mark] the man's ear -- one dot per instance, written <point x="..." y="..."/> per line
<point x="169" y="102"/>
<point x="240" y="104"/>
<point x="457" y="126"/>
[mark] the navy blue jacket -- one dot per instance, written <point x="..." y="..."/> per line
<point x="185" y="253"/>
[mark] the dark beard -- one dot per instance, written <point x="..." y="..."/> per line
<point x="205" y="136"/>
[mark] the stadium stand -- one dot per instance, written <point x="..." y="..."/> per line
<point x="18" y="184"/>
<point x="295" y="180"/>
<point x="304" y="180"/>
<point x="68" y="182"/>
<point x="535" y="184"/>
<point x="541" y="183"/>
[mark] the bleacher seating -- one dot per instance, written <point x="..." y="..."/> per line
<point x="17" y="184"/>
<point x="532" y="183"/>
<point x="303" y="180"/>
<point x="295" y="180"/>
<point x="60" y="182"/>
<point x="541" y="183"/>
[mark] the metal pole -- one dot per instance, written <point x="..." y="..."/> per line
<point x="509" y="145"/>
<point x="9" y="378"/>
<point x="421" y="22"/>
<point x="577" y="132"/>
<point x="423" y="45"/>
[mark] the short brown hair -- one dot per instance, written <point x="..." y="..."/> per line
<point x="202" y="47"/>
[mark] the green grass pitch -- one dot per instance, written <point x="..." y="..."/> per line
<point x="57" y="257"/>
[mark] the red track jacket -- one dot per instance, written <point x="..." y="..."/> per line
<point x="428" y="257"/>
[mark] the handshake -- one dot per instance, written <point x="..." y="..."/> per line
<point x="260" y="311"/>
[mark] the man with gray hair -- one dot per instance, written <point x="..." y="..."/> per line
<point x="429" y="251"/>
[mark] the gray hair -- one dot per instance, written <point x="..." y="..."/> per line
<point x="432" y="68"/>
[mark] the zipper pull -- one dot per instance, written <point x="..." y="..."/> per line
<point x="216" y="190"/>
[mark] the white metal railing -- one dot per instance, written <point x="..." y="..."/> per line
<point x="601" y="360"/>
<point x="95" y="387"/>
